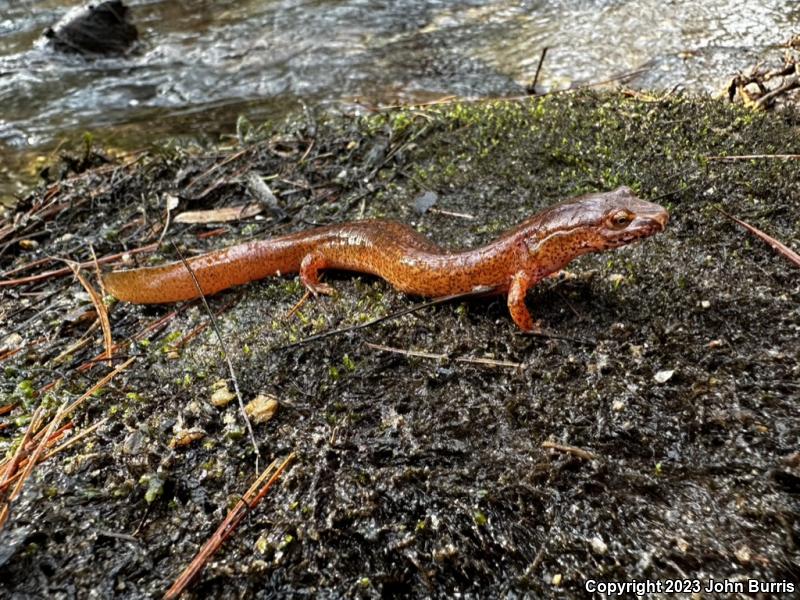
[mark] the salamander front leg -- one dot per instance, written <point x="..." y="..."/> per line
<point x="520" y="284"/>
<point x="309" y="274"/>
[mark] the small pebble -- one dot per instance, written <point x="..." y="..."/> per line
<point x="221" y="396"/>
<point x="261" y="408"/>
<point x="664" y="376"/>
<point x="598" y="545"/>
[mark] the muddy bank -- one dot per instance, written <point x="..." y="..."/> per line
<point x="419" y="476"/>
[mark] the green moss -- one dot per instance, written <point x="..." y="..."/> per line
<point x="348" y="363"/>
<point x="155" y="486"/>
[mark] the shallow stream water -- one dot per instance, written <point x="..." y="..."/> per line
<point x="202" y="63"/>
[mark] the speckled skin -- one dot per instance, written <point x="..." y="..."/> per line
<point x="512" y="264"/>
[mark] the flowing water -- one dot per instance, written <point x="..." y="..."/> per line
<point x="202" y="63"/>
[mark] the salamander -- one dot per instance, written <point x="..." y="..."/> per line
<point x="511" y="264"/>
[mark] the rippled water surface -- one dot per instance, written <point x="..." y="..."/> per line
<point x="201" y="63"/>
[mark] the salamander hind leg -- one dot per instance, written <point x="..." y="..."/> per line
<point x="310" y="267"/>
<point x="517" y="291"/>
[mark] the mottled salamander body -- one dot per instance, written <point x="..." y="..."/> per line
<point x="516" y="261"/>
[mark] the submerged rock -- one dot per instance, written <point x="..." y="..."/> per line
<point x="104" y="29"/>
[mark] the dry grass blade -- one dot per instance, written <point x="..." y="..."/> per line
<point x="248" y="502"/>
<point x="225" y="353"/>
<point x="489" y="362"/>
<point x="100" y="307"/>
<point x="779" y="247"/>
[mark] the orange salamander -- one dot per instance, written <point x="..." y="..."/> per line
<point x="513" y="263"/>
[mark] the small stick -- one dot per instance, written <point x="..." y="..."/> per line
<point x="298" y="304"/>
<point x="574" y="450"/>
<point x="791" y="84"/>
<point x="532" y="87"/>
<point x="779" y="247"/>
<point x="218" y="332"/>
<point x="35" y="439"/>
<point x="75" y="439"/>
<point x="464" y="359"/>
<point x="449" y="213"/>
<point x="10" y="352"/>
<point x="105" y="380"/>
<point x="307" y="152"/>
<point x="249" y="501"/>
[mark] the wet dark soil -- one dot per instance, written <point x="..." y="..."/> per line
<point x="417" y="476"/>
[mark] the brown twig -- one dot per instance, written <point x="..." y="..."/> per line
<point x="249" y="501"/>
<point x="489" y="362"/>
<point x="26" y="448"/>
<point x="103" y="381"/>
<point x="9" y="353"/>
<point x="779" y="247"/>
<point x="574" y="450"/>
<point x="298" y="305"/>
<point x="791" y="84"/>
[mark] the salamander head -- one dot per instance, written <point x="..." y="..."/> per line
<point x="618" y="218"/>
<point x="593" y="223"/>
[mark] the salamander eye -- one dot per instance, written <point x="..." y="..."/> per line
<point x="620" y="219"/>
